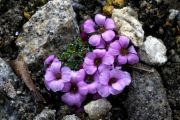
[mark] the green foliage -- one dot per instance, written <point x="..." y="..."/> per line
<point x="73" y="54"/>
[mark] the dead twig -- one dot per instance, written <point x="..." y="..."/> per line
<point x="21" y="69"/>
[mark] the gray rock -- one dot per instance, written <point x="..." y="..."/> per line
<point x="97" y="109"/>
<point x="47" y="31"/>
<point x="46" y="114"/>
<point x="2" y="4"/>
<point x="147" y="97"/>
<point x="153" y="51"/>
<point x="171" y="77"/>
<point x="172" y="4"/>
<point x="173" y="13"/>
<point x="7" y="80"/>
<point x="6" y="5"/>
<point x="70" y="117"/>
<point x="21" y="105"/>
<point x="158" y="1"/>
<point x="170" y="73"/>
<point x="10" y="22"/>
<point x="128" y="24"/>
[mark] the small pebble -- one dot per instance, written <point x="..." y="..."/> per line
<point x="161" y="31"/>
<point x="173" y="13"/>
<point x="97" y="109"/>
<point x="19" y="92"/>
<point x="16" y="33"/>
<point x="70" y="117"/>
<point x="107" y="9"/>
<point x="46" y="114"/>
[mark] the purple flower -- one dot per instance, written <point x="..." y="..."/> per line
<point x="56" y="76"/>
<point x="113" y="82"/>
<point x="102" y="30"/>
<point x="48" y="61"/>
<point x="90" y="82"/>
<point x="99" y="59"/>
<point x="125" y="54"/>
<point x="76" y="92"/>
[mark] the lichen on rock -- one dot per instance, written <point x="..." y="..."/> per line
<point x="153" y="51"/>
<point x="128" y="24"/>
<point x="47" y="31"/>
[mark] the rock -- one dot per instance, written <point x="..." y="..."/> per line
<point x="178" y="43"/>
<point x="6" y="5"/>
<point x="70" y="117"/>
<point x="63" y="111"/>
<point x="47" y="31"/>
<point x="158" y="1"/>
<point x="173" y="13"/>
<point x="153" y="51"/>
<point x="97" y="109"/>
<point x="171" y="77"/>
<point x="10" y="22"/>
<point x="176" y="114"/>
<point x="172" y="3"/>
<point x="14" y="106"/>
<point x="128" y="24"/>
<point x="7" y="80"/>
<point x="2" y="4"/>
<point x="46" y="114"/>
<point x="147" y="97"/>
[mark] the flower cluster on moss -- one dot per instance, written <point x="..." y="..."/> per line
<point x="100" y="72"/>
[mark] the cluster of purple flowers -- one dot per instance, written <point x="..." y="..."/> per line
<point x="101" y="73"/>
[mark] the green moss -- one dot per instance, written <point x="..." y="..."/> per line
<point x="73" y="54"/>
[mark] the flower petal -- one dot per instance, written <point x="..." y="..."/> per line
<point x="131" y="49"/>
<point x="122" y="59"/>
<point x="67" y="86"/>
<point x="101" y="45"/>
<point x="100" y="19"/>
<point x="49" y="60"/>
<point x="99" y="52"/>
<point x="114" y="48"/>
<point x="89" y="59"/>
<point x="72" y="99"/>
<point x="108" y="59"/>
<point x="66" y="74"/>
<point x="73" y="74"/>
<point x="94" y="40"/>
<point x="56" y="85"/>
<point x="55" y="67"/>
<point x="103" y="91"/>
<point x="115" y="45"/>
<point x="89" y="26"/>
<point x="125" y="74"/>
<point x="118" y="86"/>
<point x="49" y="76"/>
<point x="109" y="24"/>
<point x="108" y="35"/>
<point x="103" y="67"/>
<point x="104" y="77"/>
<point x="132" y="59"/>
<point x="83" y="89"/>
<point x="115" y="73"/>
<point x="90" y="69"/>
<point x="113" y="91"/>
<point x="80" y="75"/>
<point x="124" y="41"/>
<point x="126" y="81"/>
<point x="92" y="88"/>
